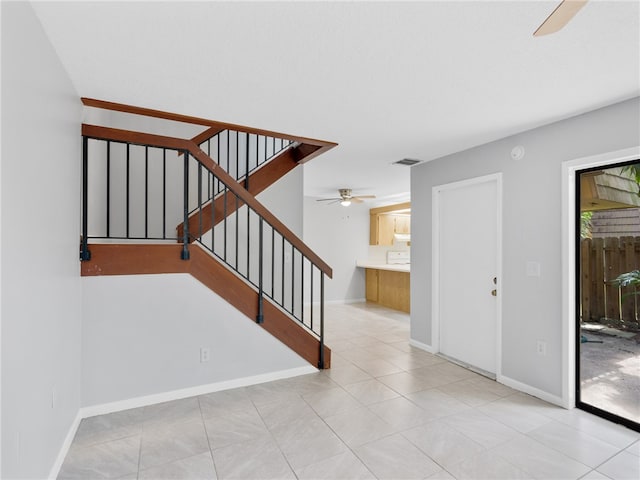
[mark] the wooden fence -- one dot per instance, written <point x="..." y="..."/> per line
<point x="602" y="260"/>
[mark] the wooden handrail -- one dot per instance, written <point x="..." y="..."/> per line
<point x="160" y="141"/>
<point x="207" y="134"/>
<point x="148" y="112"/>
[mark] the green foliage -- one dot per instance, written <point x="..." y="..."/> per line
<point x="629" y="279"/>
<point x="634" y="171"/>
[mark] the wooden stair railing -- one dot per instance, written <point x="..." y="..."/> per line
<point x="291" y="304"/>
<point x="309" y="148"/>
<point x="259" y="181"/>
<point x="160" y="141"/>
<point x="297" y="151"/>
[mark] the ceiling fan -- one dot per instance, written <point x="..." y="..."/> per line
<point x="559" y="17"/>
<point x="346" y="198"/>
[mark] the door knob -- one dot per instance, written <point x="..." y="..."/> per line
<point x="495" y="280"/>
<point x="494" y="292"/>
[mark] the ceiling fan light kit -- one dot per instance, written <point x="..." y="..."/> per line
<point x="346" y="198"/>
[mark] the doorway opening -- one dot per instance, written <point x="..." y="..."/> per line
<point x="607" y="333"/>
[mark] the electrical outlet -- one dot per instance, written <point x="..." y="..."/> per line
<point x="204" y="355"/>
<point x="541" y="347"/>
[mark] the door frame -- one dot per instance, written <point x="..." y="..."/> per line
<point x="435" y="260"/>
<point x="569" y="264"/>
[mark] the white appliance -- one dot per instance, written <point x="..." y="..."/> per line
<point x="398" y="258"/>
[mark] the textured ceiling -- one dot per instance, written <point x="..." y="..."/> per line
<point x="386" y="80"/>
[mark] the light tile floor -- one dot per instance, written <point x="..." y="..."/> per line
<point x="384" y="410"/>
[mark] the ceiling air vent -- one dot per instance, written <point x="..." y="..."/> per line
<point x="407" y="162"/>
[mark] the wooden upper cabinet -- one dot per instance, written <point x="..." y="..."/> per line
<point x="402" y="224"/>
<point x="383" y="223"/>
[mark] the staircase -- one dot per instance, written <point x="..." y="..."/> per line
<point x="157" y="204"/>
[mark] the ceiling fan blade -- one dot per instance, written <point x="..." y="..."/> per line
<point x="364" y="196"/>
<point x="328" y="199"/>
<point x="356" y="200"/>
<point x="559" y="17"/>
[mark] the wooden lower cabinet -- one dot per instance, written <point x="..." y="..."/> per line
<point x="388" y="288"/>
<point x="371" y="284"/>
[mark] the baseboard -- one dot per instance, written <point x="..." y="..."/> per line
<point x="421" y="346"/>
<point x="533" y="391"/>
<point x="64" y="449"/>
<point x="104" y="408"/>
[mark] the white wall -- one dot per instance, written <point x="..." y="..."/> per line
<point x="41" y="287"/>
<point x="142" y="335"/>
<point x="532" y="207"/>
<point x="284" y="200"/>
<point x="340" y="236"/>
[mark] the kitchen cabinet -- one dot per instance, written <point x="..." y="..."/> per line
<point x="402" y="224"/>
<point x="384" y="223"/>
<point x="389" y="288"/>
<point x="371" y="284"/>
<point x="381" y="230"/>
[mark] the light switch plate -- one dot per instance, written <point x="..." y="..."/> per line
<point x="533" y="269"/>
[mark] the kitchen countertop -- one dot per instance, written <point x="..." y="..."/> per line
<point x="403" y="267"/>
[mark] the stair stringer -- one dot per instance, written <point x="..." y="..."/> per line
<point x="137" y="259"/>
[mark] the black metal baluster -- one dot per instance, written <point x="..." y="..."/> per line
<point x="237" y="234"/>
<point x="185" y="230"/>
<point x="282" y="273"/>
<point x="209" y="177"/>
<point x="246" y="167"/>
<point x="248" y="241"/>
<point x="228" y="152"/>
<point x="214" y="178"/>
<point x="226" y="191"/>
<point x="146" y="192"/>
<point x="293" y="276"/>
<point x="246" y="186"/>
<point x="237" y="177"/>
<point x="200" y="201"/>
<point x="127" y="187"/>
<point x="273" y="259"/>
<point x="260" y="318"/>
<point x="301" y="288"/>
<point x="311" y="289"/>
<point x="85" y="254"/>
<point x="108" y="188"/>
<point x="321" y="362"/>
<point x="164" y="193"/>
<point x="213" y="215"/>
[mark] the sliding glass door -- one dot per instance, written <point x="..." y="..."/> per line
<point x="608" y="298"/>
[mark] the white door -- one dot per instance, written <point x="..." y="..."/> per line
<point x="467" y="244"/>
